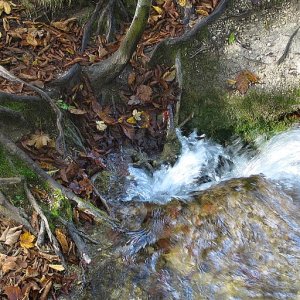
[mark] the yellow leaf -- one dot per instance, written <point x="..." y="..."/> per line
<point x="7" y="8"/>
<point x="57" y="267"/>
<point x="61" y="237"/>
<point x="26" y="240"/>
<point x="231" y="81"/>
<point x="131" y="120"/>
<point x="158" y="9"/>
<point x="1" y="4"/>
<point x="169" y="75"/>
<point x="39" y="140"/>
<point x="182" y="3"/>
<point x="202" y="12"/>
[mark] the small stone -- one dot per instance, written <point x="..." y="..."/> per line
<point x="269" y="44"/>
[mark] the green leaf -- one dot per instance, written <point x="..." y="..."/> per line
<point x="231" y="38"/>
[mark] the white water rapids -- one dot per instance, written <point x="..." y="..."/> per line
<point x="203" y="163"/>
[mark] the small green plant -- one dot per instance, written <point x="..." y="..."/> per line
<point x="231" y="38"/>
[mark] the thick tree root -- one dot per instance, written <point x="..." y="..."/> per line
<point x="105" y="71"/>
<point x="60" y="141"/>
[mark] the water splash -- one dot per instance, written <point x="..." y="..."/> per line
<point x="203" y="163"/>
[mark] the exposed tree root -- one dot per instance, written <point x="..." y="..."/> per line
<point x="83" y="205"/>
<point x="11" y="113"/>
<point x="105" y="71"/>
<point x="13" y="213"/>
<point x="40" y="212"/>
<point x="188" y="35"/>
<point x="10" y="180"/>
<point x="4" y="97"/>
<point x="87" y="31"/>
<point x="41" y="236"/>
<point x="60" y="141"/>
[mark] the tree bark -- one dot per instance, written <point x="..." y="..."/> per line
<point x="105" y="71"/>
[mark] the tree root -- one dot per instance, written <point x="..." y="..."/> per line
<point x="12" y="114"/>
<point x="188" y="35"/>
<point x="13" y="213"/>
<point x="99" y="216"/>
<point x="60" y="141"/>
<point x="105" y="71"/>
<point x="11" y="180"/>
<point x="39" y="211"/>
<point x="5" y="97"/>
<point x="87" y="31"/>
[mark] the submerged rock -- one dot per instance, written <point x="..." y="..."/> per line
<point x="237" y="240"/>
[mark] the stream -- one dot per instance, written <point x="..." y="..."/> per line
<point x="221" y="223"/>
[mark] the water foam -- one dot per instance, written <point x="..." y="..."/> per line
<point x="203" y="163"/>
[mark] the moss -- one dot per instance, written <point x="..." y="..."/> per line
<point x="17" y="106"/>
<point x="12" y="166"/>
<point x="60" y="206"/>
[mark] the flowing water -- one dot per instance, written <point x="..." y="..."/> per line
<point x="222" y="223"/>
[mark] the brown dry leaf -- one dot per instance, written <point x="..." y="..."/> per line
<point x="39" y="140"/>
<point x="62" y="239"/>
<point x="253" y="78"/>
<point x="26" y="240"/>
<point x="31" y="40"/>
<point x="11" y="235"/>
<point x="64" y="25"/>
<point x="9" y="264"/>
<point x="77" y="111"/>
<point x="13" y="292"/>
<point x="144" y="93"/>
<point x="31" y="272"/>
<point x="242" y="83"/>
<point x="57" y="267"/>
<point x="47" y="256"/>
<point x="170" y="75"/>
<point x="131" y="78"/>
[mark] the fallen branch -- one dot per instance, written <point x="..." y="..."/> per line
<point x="10" y="180"/>
<point x="39" y="211"/>
<point x="83" y="205"/>
<point x="60" y="141"/>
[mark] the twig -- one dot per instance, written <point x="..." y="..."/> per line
<point x="39" y="211"/>
<point x="60" y="141"/>
<point x="83" y="205"/>
<point x="41" y="236"/>
<point x="10" y="180"/>
<point x="288" y="47"/>
<point x="190" y="117"/>
<point x="13" y="213"/>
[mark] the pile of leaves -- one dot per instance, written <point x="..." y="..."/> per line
<point x="29" y="272"/>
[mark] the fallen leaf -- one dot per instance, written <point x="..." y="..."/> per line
<point x="131" y="78"/>
<point x="170" y="75"/>
<point x="76" y="111"/>
<point x="182" y="3"/>
<point x="144" y="93"/>
<point x="9" y="264"/>
<point x="57" y="267"/>
<point x="26" y="240"/>
<point x="64" y="25"/>
<point x="39" y="140"/>
<point x="13" y="292"/>
<point x="62" y="239"/>
<point x="11" y="235"/>
<point x="100" y="125"/>
<point x="158" y="9"/>
<point x="137" y="115"/>
<point x="244" y="79"/>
